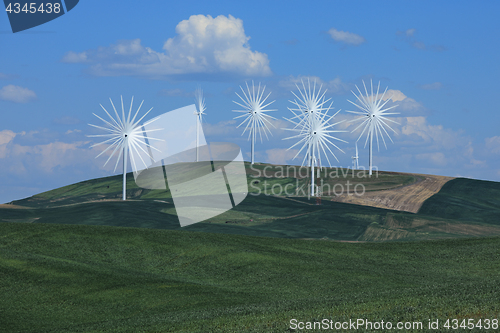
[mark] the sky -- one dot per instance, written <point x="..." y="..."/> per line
<point x="439" y="61"/>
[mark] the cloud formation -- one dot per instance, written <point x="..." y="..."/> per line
<point x="346" y="37"/>
<point x="431" y="86"/>
<point x="203" y="45"/>
<point x="493" y="144"/>
<point x="17" y="94"/>
<point x="409" y="37"/>
<point x="335" y="86"/>
<point x="4" y="76"/>
<point x="42" y="157"/>
<point x="177" y="92"/>
<point x="280" y="156"/>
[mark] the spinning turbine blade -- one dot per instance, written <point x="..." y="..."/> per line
<point x="254" y="110"/>
<point x="313" y="126"/>
<point x="374" y="118"/>
<point x="126" y="136"/>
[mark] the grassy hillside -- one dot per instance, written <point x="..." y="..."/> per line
<point x="74" y="278"/>
<point x="78" y="259"/>
<point x="466" y="200"/>
<point x="463" y="208"/>
<point x="260" y="177"/>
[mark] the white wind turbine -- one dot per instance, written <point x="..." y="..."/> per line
<point x="125" y="134"/>
<point x="255" y="112"/>
<point x="309" y="104"/>
<point x="200" y="111"/>
<point x="373" y="116"/>
<point x="313" y="128"/>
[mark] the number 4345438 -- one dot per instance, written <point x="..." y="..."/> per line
<point x="485" y="324"/>
<point x="33" y="8"/>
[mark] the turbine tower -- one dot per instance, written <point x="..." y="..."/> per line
<point x="313" y="128"/>
<point x="200" y="111"/>
<point x="125" y="135"/>
<point x="373" y="116"/>
<point x="255" y="115"/>
<point x="355" y="164"/>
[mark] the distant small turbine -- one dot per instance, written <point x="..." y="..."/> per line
<point x="314" y="133"/>
<point x="255" y="113"/>
<point x="355" y="164"/>
<point x="200" y="111"/>
<point x="373" y="116"/>
<point x="126" y="135"/>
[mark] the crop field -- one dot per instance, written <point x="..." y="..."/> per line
<point x="76" y="278"/>
<point x="78" y="259"/>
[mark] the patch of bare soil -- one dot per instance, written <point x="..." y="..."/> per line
<point x="11" y="206"/>
<point x="408" y="198"/>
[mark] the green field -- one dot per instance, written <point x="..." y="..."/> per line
<point x="72" y="278"/>
<point x="72" y="260"/>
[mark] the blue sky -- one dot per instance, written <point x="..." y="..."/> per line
<point x="440" y="59"/>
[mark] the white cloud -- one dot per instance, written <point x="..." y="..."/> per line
<point x="227" y="127"/>
<point x="418" y="127"/>
<point x="432" y="86"/>
<point x="280" y="156"/>
<point x="6" y="136"/>
<point x="73" y="57"/>
<point x="203" y="45"/>
<point x="410" y="32"/>
<point x="20" y="157"/>
<point x="437" y="158"/>
<point x="4" y="76"/>
<point x="48" y="156"/>
<point x="175" y="93"/>
<point x="394" y="95"/>
<point x="335" y="86"/>
<point x="66" y="120"/>
<point x="493" y="144"/>
<point x="346" y="37"/>
<point x="17" y="94"/>
<point x="409" y="37"/>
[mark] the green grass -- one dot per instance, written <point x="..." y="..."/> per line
<point x="272" y="217"/>
<point x="71" y="264"/>
<point x="466" y="200"/>
<point x="74" y="278"/>
<point x="260" y="178"/>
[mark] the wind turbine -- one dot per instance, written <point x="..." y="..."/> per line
<point x="373" y="116"/>
<point x="255" y="112"/>
<point x="313" y="128"/>
<point x="125" y="134"/>
<point x="309" y="104"/>
<point x="355" y="164"/>
<point x="200" y="111"/>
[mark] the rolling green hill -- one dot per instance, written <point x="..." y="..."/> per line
<point x="466" y="200"/>
<point x="75" y="278"/>
<point x="78" y="259"/>
<point x="463" y="208"/>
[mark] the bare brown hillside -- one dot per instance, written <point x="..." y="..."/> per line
<point x="407" y="198"/>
